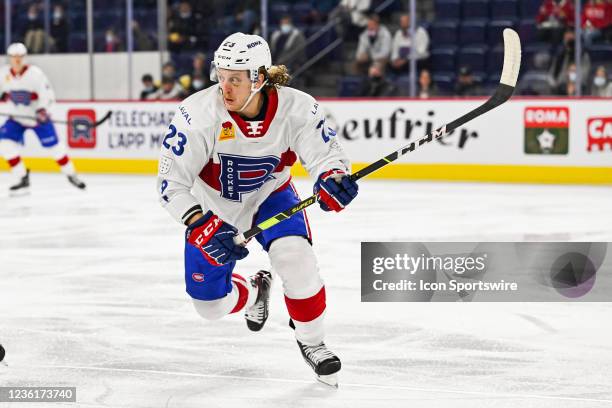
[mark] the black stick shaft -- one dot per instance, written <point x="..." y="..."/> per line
<point x="501" y="95"/>
<point x="61" y="122"/>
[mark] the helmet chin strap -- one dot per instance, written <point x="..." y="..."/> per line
<point x="253" y="93"/>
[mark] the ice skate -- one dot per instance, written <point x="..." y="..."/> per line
<point x="21" y="188"/>
<point x="75" y="181"/>
<point x="257" y="314"/>
<point x="322" y="360"/>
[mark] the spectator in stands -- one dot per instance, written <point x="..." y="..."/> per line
<point x="374" y="46"/>
<point x="112" y="42"/>
<point x="242" y="15"/>
<point x="197" y="83"/>
<point x="149" y="87"/>
<point x="288" y="45"/>
<point x="183" y="29"/>
<point x="466" y="85"/>
<point x="199" y="65"/>
<point x="601" y="86"/>
<point x="169" y="70"/>
<point x="142" y="41"/>
<point x="170" y="90"/>
<point x="596" y="20"/>
<point x="568" y="86"/>
<point x="34" y="33"/>
<point x="553" y="19"/>
<point x="319" y="10"/>
<point x="427" y="88"/>
<point x="376" y="84"/>
<point x="352" y="16"/>
<point x="564" y="58"/>
<point x="59" y="29"/>
<point x="198" y="78"/>
<point x="402" y="43"/>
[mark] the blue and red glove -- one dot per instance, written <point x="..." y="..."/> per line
<point x="215" y="240"/>
<point x="335" y="190"/>
<point x="42" y="116"/>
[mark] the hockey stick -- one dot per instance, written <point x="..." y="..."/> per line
<point x="503" y="92"/>
<point x="80" y="126"/>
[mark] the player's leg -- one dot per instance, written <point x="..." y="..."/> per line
<point x="293" y="259"/>
<point x="48" y="139"/>
<point x="216" y="291"/>
<point x="11" y="141"/>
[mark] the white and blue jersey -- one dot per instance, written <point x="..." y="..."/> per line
<point x="212" y="159"/>
<point x="24" y="94"/>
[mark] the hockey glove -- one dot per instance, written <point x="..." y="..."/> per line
<point x="42" y="116"/>
<point x="335" y="190"/>
<point x="215" y="240"/>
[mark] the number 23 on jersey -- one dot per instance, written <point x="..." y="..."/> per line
<point x="178" y="146"/>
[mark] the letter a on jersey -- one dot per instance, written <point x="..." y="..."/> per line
<point x="244" y="174"/>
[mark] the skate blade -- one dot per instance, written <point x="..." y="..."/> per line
<point x="330" y="380"/>
<point x="19" y="193"/>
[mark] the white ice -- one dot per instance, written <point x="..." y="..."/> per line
<point x="92" y="296"/>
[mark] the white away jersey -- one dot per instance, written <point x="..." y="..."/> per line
<point x="25" y="93"/>
<point x="214" y="159"/>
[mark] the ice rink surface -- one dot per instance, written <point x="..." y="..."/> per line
<point x="92" y="296"/>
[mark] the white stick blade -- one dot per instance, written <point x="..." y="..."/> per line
<point x="512" y="57"/>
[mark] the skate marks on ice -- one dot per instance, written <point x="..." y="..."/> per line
<point x="123" y="387"/>
<point x="92" y="295"/>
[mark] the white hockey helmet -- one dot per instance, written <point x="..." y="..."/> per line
<point x="17" y="50"/>
<point x="241" y="52"/>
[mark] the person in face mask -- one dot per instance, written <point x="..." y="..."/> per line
<point x="569" y="87"/>
<point x="112" y="43"/>
<point x="287" y="44"/>
<point x="564" y="58"/>
<point x="184" y="28"/>
<point x="376" y="84"/>
<point x="148" y="86"/>
<point x="402" y="43"/>
<point x="34" y="34"/>
<point x="601" y="86"/>
<point x="59" y="29"/>
<point x="199" y="78"/>
<point x="374" y="46"/>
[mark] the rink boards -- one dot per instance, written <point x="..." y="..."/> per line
<point x="525" y="140"/>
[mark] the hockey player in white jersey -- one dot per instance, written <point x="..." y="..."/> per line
<point x="28" y="96"/>
<point x="224" y="166"/>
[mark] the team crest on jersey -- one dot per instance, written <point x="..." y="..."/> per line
<point x="254" y="128"/>
<point x="243" y="174"/>
<point x="228" y="131"/>
<point x="197" y="277"/>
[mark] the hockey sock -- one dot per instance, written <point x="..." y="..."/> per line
<point x="246" y="293"/>
<point x="10" y="151"/>
<point x="308" y="317"/>
<point x="304" y="289"/>
<point x="61" y="157"/>
<point x="242" y="294"/>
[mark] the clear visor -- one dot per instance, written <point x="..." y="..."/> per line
<point x="214" y="74"/>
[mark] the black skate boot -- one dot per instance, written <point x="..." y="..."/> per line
<point x="23" y="187"/>
<point x="74" y="180"/>
<point x="257" y="314"/>
<point x="322" y="360"/>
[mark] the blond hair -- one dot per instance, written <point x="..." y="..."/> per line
<point x="277" y="76"/>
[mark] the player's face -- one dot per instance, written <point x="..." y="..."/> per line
<point x="236" y="88"/>
<point x="16" y="62"/>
